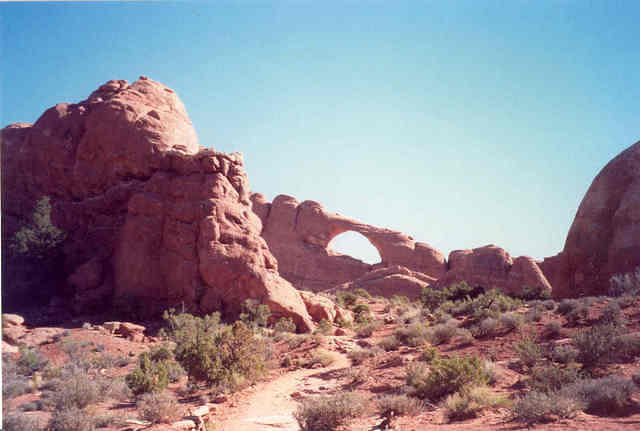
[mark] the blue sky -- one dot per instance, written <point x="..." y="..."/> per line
<point x="460" y="123"/>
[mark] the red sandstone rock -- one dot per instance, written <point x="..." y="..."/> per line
<point x="390" y="281"/>
<point x="492" y="267"/>
<point x="320" y="307"/>
<point x="151" y="217"/>
<point x="299" y="234"/>
<point x="604" y="238"/>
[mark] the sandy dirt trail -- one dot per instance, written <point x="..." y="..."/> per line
<point x="271" y="406"/>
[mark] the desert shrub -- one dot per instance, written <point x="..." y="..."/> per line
<point x="284" y="324"/>
<point x="566" y="305"/>
<point x="30" y="361"/>
<point x="432" y="298"/>
<point x="486" y="327"/>
<point x="528" y="351"/>
<point x="578" y="314"/>
<point x="626" y="301"/>
<point x="72" y="419"/>
<point x="564" y="354"/>
<point x="510" y="321"/>
<point x="362" y="293"/>
<point x="361" y="313"/>
<point x="612" y="314"/>
<point x="296" y="341"/>
<point x="492" y="371"/>
<point x="551" y="378"/>
<point x="596" y="345"/>
<point x="328" y="413"/>
<point x="440" y="334"/>
<point x="428" y="354"/>
<point x="467" y="405"/>
<point x="389" y="406"/>
<point x="346" y="299"/>
<point x="360" y="355"/>
<point x="626" y="347"/>
<point x="214" y="353"/>
<point x="389" y="343"/>
<point x="14" y="384"/>
<point x="321" y="356"/>
<point x="367" y="329"/>
<point x="255" y="314"/>
<point x="75" y="390"/>
<point x="552" y="329"/>
<point x="399" y="300"/>
<point x="446" y="376"/>
<point x="30" y="407"/>
<point x="529" y="293"/>
<point x="158" y="407"/>
<point x="627" y="284"/>
<point x="605" y="395"/>
<point x="19" y="422"/>
<point x="108" y="420"/>
<point x="539" y="407"/>
<point x="40" y="237"/>
<point x="117" y="389"/>
<point x="464" y="337"/>
<point x="412" y="335"/>
<point x="342" y="322"/>
<point x="149" y="376"/>
<point x="324" y="327"/>
<point x="549" y="304"/>
<point x="534" y="314"/>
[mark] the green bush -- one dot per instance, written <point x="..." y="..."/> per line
<point x="612" y="314"/>
<point x="389" y="343"/>
<point x="328" y="413"/>
<point x="149" y="376"/>
<point x="567" y="305"/>
<point x="429" y="353"/>
<point x="510" y="321"/>
<point x="30" y="361"/>
<point x="324" y="327"/>
<point x="441" y="334"/>
<point x="552" y="329"/>
<point x="446" y="376"/>
<point x="366" y="330"/>
<point x="626" y="347"/>
<point x="627" y="284"/>
<point x="159" y="407"/>
<point x="529" y="352"/>
<point x="432" y="298"/>
<point x="40" y="237"/>
<point x="564" y="354"/>
<point x="412" y="335"/>
<point x="361" y="313"/>
<point x="362" y="293"/>
<point x="577" y="315"/>
<point x="75" y="390"/>
<point x="255" y="314"/>
<point x="360" y="355"/>
<point x="528" y="293"/>
<point x="346" y="299"/>
<point x="214" y="353"/>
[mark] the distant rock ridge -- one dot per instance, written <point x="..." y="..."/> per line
<point x="298" y="234"/>
<point x="604" y="238"/>
<point x="150" y="215"/>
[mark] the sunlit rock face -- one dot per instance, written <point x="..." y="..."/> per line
<point x="299" y="234"/>
<point x="150" y="215"/>
<point x="604" y="238"/>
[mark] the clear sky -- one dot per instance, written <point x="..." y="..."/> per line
<point x="460" y="123"/>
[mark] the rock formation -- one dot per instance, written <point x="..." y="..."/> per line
<point x="149" y="214"/>
<point x="390" y="281"/>
<point x="604" y="238"/>
<point x="493" y="267"/>
<point x="298" y="234"/>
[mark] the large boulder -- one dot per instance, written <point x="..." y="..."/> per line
<point x="299" y="234"/>
<point x="604" y="238"/>
<point x="492" y="267"/>
<point x="151" y="218"/>
<point x="391" y="281"/>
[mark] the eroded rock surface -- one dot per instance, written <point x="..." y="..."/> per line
<point x="604" y="238"/>
<point x="149" y="214"/>
<point x="491" y="266"/>
<point x="298" y="234"/>
<point x="390" y="281"/>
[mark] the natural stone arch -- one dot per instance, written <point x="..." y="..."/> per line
<point x="360" y="241"/>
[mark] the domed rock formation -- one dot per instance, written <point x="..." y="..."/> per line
<point x="391" y="281"/>
<point x="149" y="214"/>
<point x="493" y="267"/>
<point x="298" y="234"/>
<point x="604" y="238"/>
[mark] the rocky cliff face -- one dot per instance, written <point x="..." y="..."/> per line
<point x="298" y="234"/>
<point x="604" y="238"/>
<point x="150" y="215"/>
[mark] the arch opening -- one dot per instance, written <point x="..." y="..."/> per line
<point x="355" y="245"/>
